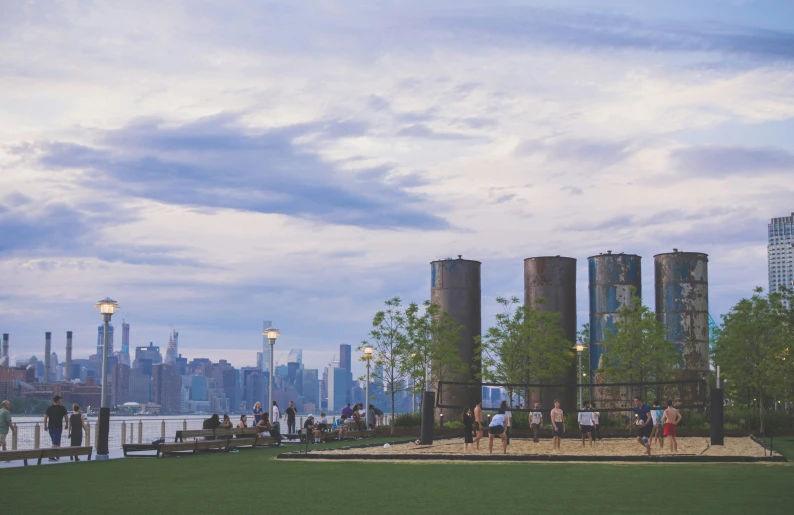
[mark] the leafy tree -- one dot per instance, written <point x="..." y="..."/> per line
<point x="754" y="348"/>
<point x="431" y="344"/>
<point x="638" y="349"/>
<point x="525" y="345"/>
<point x="389" y="342"/>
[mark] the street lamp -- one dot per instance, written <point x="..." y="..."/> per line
<point x="107" y="307"/>
<point x="579" y="347"/>
<point x="368" y="350"/>
<point x="271" y="333"/>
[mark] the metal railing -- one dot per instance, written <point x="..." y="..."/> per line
<point x="31" y="435"/>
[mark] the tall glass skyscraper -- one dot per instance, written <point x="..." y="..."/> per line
<point x="100" y="338"/>
<point x="779" y="250"/>
<point x="125" y="340"/>
<point x="266" y="347"/>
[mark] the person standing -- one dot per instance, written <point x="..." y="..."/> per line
<point x="671" y="418"/>
<point x="257" y="412"/>
<point x="535" y="421"/>
<point x="596" y="423"/>
<point x="5" y="423"/>
<point x="76" y="428"/>
<point x="54" y="419"/>
<point x="585" y="419"/>
<point x="497" y="428"/>
<point x="644" y="423"/>
<point x="508" y="419"/>
<point x="371" y="417"/>
<point x="477" y="426"/>
<point x="291" y="412"/>
<point x="276" y="413"/>
<point x="656" y="415"/>
<point x="557" y="425"/>
<point x="468" y="431"/>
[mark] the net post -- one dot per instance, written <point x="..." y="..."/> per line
<point x="717" y="426"/>
<point x="428" y="410"/>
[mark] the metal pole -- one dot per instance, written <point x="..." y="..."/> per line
<point x="270" y="381"/>
<point x="579" y="381"/>
<point x="366" y="404"/>
<point x="104" y="411"/>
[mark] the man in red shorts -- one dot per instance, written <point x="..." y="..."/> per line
<point x="672" y="417"/>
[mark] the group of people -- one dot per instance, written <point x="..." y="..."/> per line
<point x="56" y="420"/>
<point x="653" y="425"/>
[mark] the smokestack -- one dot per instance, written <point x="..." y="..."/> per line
<point x="5" y="360"/>
<point x="47" y="356"/>
<point x="67" y="374"/>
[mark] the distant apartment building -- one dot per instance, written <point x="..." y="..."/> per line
<point x="779" y="252"/>
<point x="100" y="339"/>
<point x="120" y="384"/>
<point x="338" y="388"/>
<point x="167" y="388"/>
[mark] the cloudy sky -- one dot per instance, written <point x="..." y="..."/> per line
<point x="210" y="164"/>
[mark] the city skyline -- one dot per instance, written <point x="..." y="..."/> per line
<point x="252" y="171"/>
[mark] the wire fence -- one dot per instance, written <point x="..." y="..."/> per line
<point x="31" y="435"/>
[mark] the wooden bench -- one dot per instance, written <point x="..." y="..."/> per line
<point x="225" y="444"/>
<point x="40" y="454"/>
<point x="222" y="433"/>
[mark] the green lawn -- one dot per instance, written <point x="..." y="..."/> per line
<point x="254" y="482"/>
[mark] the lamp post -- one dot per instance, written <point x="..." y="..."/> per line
<point x="107" y="307"/>
<point x="271" y="333"/>
<point x="368" y="350"/>
<point x="579" y="350"/>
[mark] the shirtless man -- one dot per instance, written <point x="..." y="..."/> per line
<point x="535" y="421"/>
<point x="477" y="425"/>
<point x="671" y="418"/>
<point x="557" y="424"/>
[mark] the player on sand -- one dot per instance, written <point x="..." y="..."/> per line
<point x="586" y="423"/>
<point x="644" y="423"/>
<point x="477" y="424"/>
<point x="557" y="424"/>
<point x="671" y="418"/>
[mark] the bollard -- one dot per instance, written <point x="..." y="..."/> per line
<point x="36" y="436"/>
<point x="184" y="425"/>
<point x="162" y="430"/>
<point x="140" y="431"/>
<point x="14" y="438"/>
<point x="96" y="432"/>
<point x="88" y="435"/>
<point x="132" y="432"/>
<point x="123" y="433"/>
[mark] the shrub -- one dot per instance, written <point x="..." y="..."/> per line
<point x="408" y="420"/>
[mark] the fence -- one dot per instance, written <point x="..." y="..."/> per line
<point x="31" y="435"/>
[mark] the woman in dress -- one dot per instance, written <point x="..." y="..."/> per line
<point x="468" y="431"/>
<point x="257" y="412"/>
<point x="76" y="428"/>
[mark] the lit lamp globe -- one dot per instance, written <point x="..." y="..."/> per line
<point x="368" y="350"/>
<point x="579" y="347"/>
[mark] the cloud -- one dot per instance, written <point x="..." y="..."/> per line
<point x="717" y="161"/>
<point x="573" y="190"/>
<point x="216" y="163"/>
<point x="424" y="132"/>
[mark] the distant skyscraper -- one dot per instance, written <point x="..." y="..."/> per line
<point x="345" y="357"/>
<point x="152" y="352"/>
<point x="779" y="250"/>
<point x="266" y="347"/>
<point x="173" y="348"/>
<point x="167" y="388"/>
<point x="295" y="356"/>
<point x="125" y="341"/>
<point x="338" y="388"/>
<point x="100" y="336"/>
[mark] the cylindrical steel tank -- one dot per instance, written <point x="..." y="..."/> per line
<point x="455" y="288"/>
<point x="67" y="374"/>
<point x="5" y="359"/>
<point x="614" y="278"/>
<point x="554" y="279"/>
<point x="682" y="305"/>
<point x="47" y="356"/>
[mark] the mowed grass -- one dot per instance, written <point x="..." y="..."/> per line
<point x="254" y="482"/>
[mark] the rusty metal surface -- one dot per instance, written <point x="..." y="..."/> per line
<point x="612" y="277"/>
<point x="455" y="286"/>
<point x="67" y="374"/>
<point x="47" y="354"/>
<point x="554" y="279"/>
<point x="6" y="359"/>
<point x="682" y="305"/>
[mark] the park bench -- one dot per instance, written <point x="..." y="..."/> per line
<point x="39" y="454"/>
<point x="250" y="439"/>
<point x="220" y="433"/>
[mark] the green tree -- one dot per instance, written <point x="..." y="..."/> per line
<point x="754" y="348"/>
<point x="431" y="344"/>
<point x="389" y="342"/>
<point x="524" y="346"/>
<point x="637" y="351"/>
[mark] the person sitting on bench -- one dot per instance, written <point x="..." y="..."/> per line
<point x="323" y="425"/>
<point x="358" y="421"/>
<point x="243" y="423"/>
<point x="264" y="425"/>
<point x="340" y="427"/>
<point x="311" y="429"/>
<point x="214" y="422"/>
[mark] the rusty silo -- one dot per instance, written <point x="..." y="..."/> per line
<point x="47" y="357"/>
<point x="612" y="279"/>
<point x="6" y="359"/>
<point x="682" y="305"/>
<point x="67" y="373"/>
<point x="554" y="279"/>
<point x="455" y="288"/>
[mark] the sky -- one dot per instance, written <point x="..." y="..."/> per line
<point x="214" y="164"/>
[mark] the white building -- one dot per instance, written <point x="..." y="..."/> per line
<point x="779" y="250"/>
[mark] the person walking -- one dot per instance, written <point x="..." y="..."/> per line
<point x="291" y="412"/>
<point x="54" y="419"/>
<point x="535" y="421"/>
<point x="468" y="431"/>
<point x="5" y="424"/>
<point x="557" y="425"/>
<point x="644" y="423"/>
<point x="258" y="412"/>
<point x="671" y="418"/>
<point x="477" y="426"/>
<point x="76" y="428"/>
